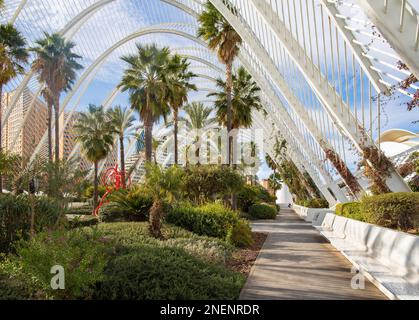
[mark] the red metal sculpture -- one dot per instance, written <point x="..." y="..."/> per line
<point x="112" y="180"/>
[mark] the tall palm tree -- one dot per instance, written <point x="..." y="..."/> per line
<point x="144" y="81"/>
<point x="96" y="136"/>
<point x="178" y="79"/>
<point x="57" y="66"/>
<point x="122" y="121"/>
<point x="245" y="99"/>
<point x="197" y="117"/>
<point x="13" y="55"/>
<point x="223" y="39"/>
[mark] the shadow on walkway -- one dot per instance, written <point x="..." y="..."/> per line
<point x="297" y="263"/>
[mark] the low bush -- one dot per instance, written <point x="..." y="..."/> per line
<point x="88" y="193"/>
<point x="15" y="217"/>
<point x="241" y="234"/>
<point x="392" y="210"/>
<point x="135" y="235"/>
<point x="212" y="220"/>
<point x="121" y="261"/>
<point x="82" y="254"/>
<point x="351" y="210"/>
<point x="84" y="210"/>
<point x="317" y="203"/>
<point x="208" y="183"/>
<point x="250" y="195"/>
<point x="159" y="273"/>
<point x="82" y="222"/>
<point x="263" y="211"/>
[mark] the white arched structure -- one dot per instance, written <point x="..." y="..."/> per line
<point x="304" y="55"/>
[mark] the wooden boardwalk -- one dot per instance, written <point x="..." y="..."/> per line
<point x="297" y="263"/>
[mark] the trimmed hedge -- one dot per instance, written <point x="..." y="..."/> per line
<point x="263" y="211"/>
<point x="351" y="210"/>
<point x="314" y="203"/>
<point x="212" y="220"/>
<point x="250" y="195"/>
<point x="393" y="210"/>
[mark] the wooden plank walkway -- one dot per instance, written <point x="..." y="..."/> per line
<point x="297" y="263"/>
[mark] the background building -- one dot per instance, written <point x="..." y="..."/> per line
<point x="24" y="126"/>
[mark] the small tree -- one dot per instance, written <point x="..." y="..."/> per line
<point x="96" y="136"/>
<point x="163" y="185"/>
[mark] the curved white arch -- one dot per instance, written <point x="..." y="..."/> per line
<point x="146" y="31"/>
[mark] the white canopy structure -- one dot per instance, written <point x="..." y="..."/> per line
<point x="325" y="67"/>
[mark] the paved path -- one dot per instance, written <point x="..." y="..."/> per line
<point x="296" y="262"/>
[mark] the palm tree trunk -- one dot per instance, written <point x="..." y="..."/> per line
<point x="156" y="217"/>
<point x="229" y="88"/>
<point x="96" y="185"/>
<point x="50" y="131"/>
<point x="122" y="150"/>
<point x="57" y="129"/>
<point x="175" y="118"/>
<point x="1" y="129"/>
<point x="148" y="132"/>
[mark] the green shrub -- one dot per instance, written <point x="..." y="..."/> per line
<point x="135" y="235"/>
<point x="208" y="183"/>
<point x="250" y="195"/>
<point x="82" y="222"/>
<point x="351" y="210"/>
<point x="263" y="211"/>
<point x="241" y="234"/>
<point x="88" y="193"/>
<point x="211" y="220"/>
<point x="83" y="255"/>
<point x="392" y="210"/>
<point x="127" y="205"/>
<point x="15" y="216"/>
<point x="84" y="210"/>
<point x="154" y="273"/>
<point x="317" y="203"/>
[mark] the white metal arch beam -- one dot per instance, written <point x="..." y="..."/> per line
<point x="296" y="157"/>
<point x="68" y="32"/>
<point x="398" y="22"/>
<point x="95" y="7"/>
<point x="334" y="104"/>
<point x="159" y="29"/>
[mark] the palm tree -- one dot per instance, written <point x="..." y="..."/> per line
<point x="245" y="99"/>
<point x="145" y="84"/>
<point x="163" y="185"/>
<point x="197" y="117"/>
<point x="122" y="120"/>
<point x="56" y="65"/>
<point x="96" y="136"/>
<point x="12" y="55"/>
<point x="221" y="37"/>
<point x="178" y="79"/>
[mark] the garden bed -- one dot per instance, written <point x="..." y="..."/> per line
<point x="242" y="260"/>
<point x="121" y="261"/>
